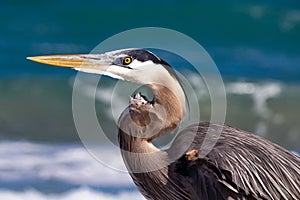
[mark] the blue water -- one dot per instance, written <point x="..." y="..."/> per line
<point x="257" y="40"/>
<point x="255" y="45"/>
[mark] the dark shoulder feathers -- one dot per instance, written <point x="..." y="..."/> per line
<point x="241" y="165"/>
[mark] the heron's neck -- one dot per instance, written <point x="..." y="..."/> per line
<point x="169" y="101"/>
<point x="141" y="122"/>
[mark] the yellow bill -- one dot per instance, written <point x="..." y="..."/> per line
<point x="77" y="61"/>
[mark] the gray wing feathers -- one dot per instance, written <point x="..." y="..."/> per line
<point x="256" y="166"/>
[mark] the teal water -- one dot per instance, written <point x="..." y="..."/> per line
<point x="255" y="45"/>
<point x="246" y="39"/>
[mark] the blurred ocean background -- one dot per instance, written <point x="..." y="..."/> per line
<point x="255" y="44"/>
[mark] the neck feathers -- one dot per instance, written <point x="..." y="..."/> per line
<point x="171" y="101"/>
<point x="144" y="121"/>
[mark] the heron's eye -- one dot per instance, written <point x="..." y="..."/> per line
<point x="127" y="60"/>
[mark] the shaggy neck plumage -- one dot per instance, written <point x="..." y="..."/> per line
<point x="140" y="124"/>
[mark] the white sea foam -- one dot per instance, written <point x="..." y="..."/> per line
<point x="21" y="161"/>
<point x="81" y="193"/>
<point x="260" y="93"/>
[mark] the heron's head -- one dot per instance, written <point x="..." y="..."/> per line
<point x="135" y="65"/>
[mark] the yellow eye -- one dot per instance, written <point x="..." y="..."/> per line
<point x="127" y="60"/>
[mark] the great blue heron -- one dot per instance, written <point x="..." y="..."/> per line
<point x="240" y="166"/>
